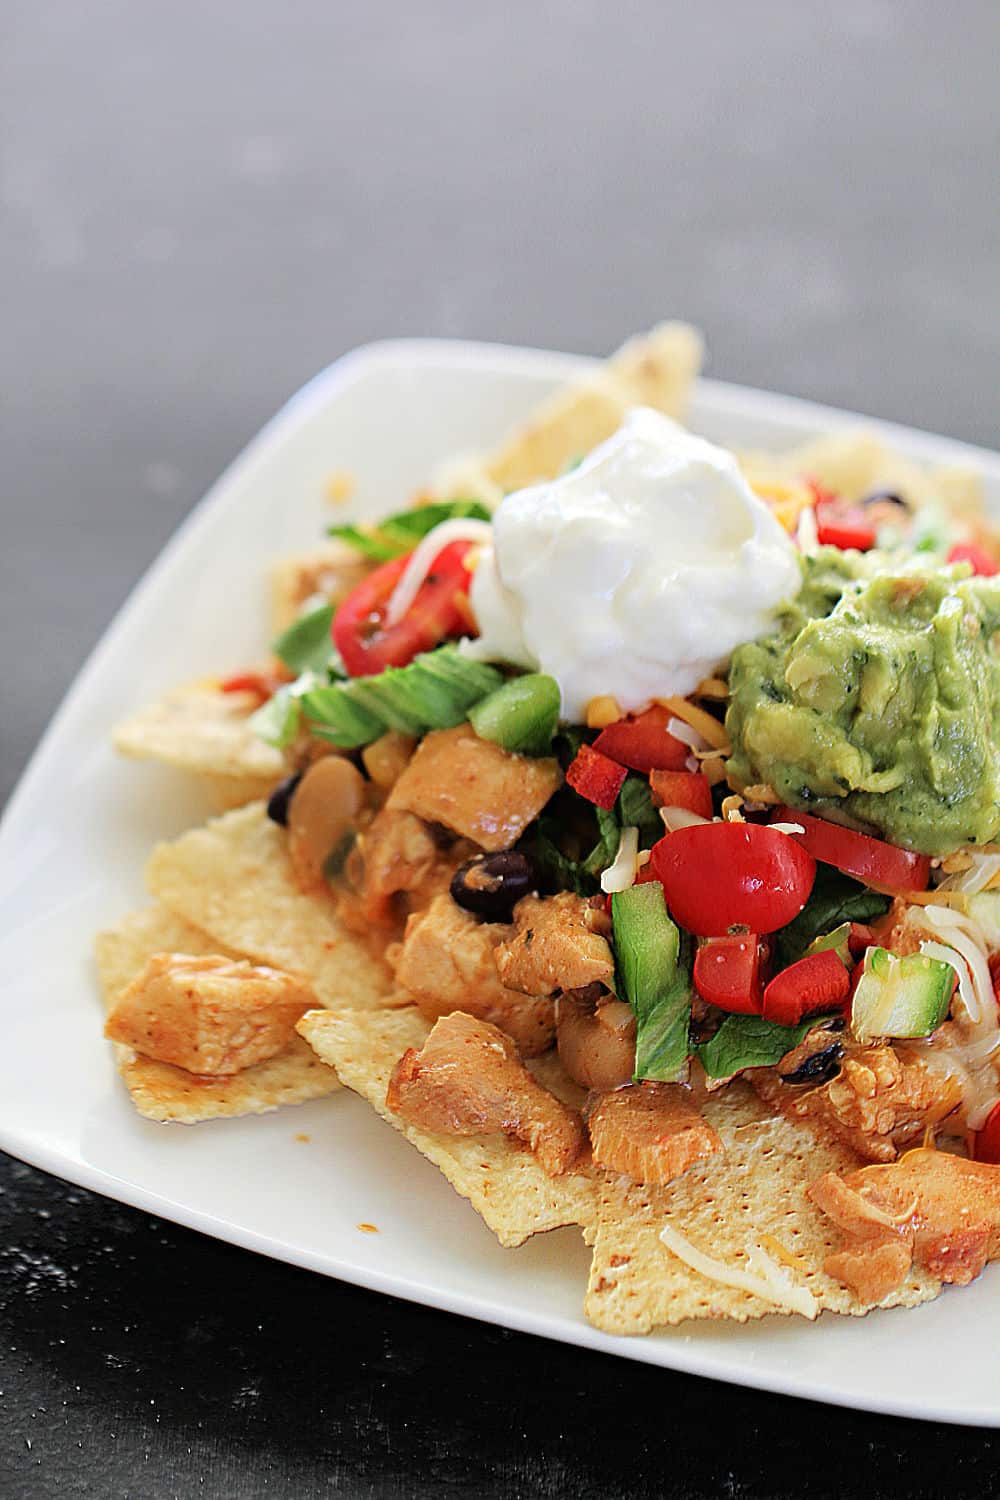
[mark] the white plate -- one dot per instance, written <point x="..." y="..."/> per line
<point x="76" y="833"/>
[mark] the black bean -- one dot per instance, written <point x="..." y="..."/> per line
<point x="817" y="1068"/>
<point x="492" y="884"/>
<point x="885" y="497"/>
<point x="277" y="803"/>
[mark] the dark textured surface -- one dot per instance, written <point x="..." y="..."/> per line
<point x="202" y="204"/>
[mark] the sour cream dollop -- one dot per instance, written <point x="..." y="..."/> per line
<point x="634" y="575"/>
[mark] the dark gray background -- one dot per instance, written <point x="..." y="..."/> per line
<point x="203" y="203"/>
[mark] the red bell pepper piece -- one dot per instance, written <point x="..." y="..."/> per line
<point x="688" y="789"/>
<point x="727" y="972"/>
<point x="596" y="777"/>
<point x="643" y="743"/>
<point x="970" y="552"/>
<point x="885" y="866"/>
<point x="816" y="983"/>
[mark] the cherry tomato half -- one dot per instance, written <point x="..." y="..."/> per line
<point x="970" y="552"/>
<point x="727" y="972"/>
<point x="870" y="860"/>
<point x="643" y="742"/>
<point x="816" y="983"/>
<point x="367" y="645"/>
<point x="721" y="875"/>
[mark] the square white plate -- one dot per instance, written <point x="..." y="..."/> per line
<point x="72" y="847"/>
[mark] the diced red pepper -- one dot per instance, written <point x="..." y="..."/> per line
<point x="264" y="684"/>
<point x="844" y="526"/>
<point x="643" y="743"/>
<point x="596" y="777"/>
<point x="817" y="983"/>
<point x="688" y="789"/>
<point x="727" y="973"/>
<point x="970" y="552"/>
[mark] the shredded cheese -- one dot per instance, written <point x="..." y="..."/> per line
<point x="620" y="874"/>
<point x="602" y="711"/>
<point x="806" y="533"/>
<point x="683" y="731"/>
<point x="764" y="1279"/>
<point x="781" y="1252"/>
<point x="982" y="870"/>
<point x="428" y="549"/>
<point x="711" y="731"/>
<point x="681" y="817"/>
<point x="712" y="687"/>
<point x="963" y="935"/>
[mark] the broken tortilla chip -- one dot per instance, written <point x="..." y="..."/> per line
<point x="654" y="369"/>
<point x="233" y="879"/>
<point x="501" y="1179"/>
<point x="857" y="463"/>
<point x="751" y="1195"/>
<point x="165" y="1093"/>
<point x="328" y="571"/>
<point x="200" y="729"/>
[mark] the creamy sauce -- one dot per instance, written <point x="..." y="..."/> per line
<point x="636" y="573"/>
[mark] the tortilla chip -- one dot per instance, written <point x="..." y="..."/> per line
<point x="233" y="879"/>
<point x="330" y="569"/>
<point x="654" y="369"/>
<point x="501" y="1179"/>
<point x="723" y="1205"/>
<point x="162" y="1092"/>
<point x="200" y="729"/>
<point x="858" y="463"/>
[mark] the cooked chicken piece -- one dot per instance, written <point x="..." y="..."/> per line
<point x="596" y="1038"/>
<point x="651" y="1132"/>
<point x="446" y="963"/>
<point x="560" y="943"/>
<point x="467" y="1079"/>
<point x="209" y="1015"/>
<point x="396" y="853"/>
<point x="880" y="1100"/>
<point x="321" y="815"/>
<point x="474" y="787"/>
<point x="943" y="1211"/>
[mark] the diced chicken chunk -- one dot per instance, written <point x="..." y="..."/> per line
<point x="396" y="854"/>
<point x="596" y="1038"/>
<point x="487" y="794"/>
<point x="560" y="943"/>
<point x="209" y="1015"/>
<point x="447" y="963"/>
<point x="651" y="1132"/>
<point x="467" y="1079"/>
<point x="878" y="1103"/>
<point x="940" y="1210"/>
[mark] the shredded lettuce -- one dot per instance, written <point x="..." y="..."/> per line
<point x="306" y="645"/>
<point x="835" y="899"/>
<point x="278" y="720"/>
<point x="435" y="691"/>
<point x="750" y="1042"/>
<point x="399" y="534"/>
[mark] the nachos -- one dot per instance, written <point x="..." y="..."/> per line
<point x="621" y="819"/>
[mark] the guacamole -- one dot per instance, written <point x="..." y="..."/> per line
<point x="878" y="697"/>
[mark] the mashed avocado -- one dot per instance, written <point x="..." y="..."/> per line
<point x="878" y="697"/>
